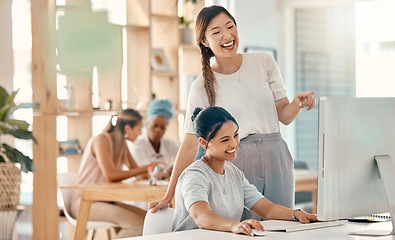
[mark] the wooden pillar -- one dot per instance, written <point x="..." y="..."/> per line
<point x="45" y="209"/>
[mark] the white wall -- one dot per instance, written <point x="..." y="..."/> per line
<point x="258" y="23"/>
<point x="261" y="23"/>
<point x="6" y="56"/>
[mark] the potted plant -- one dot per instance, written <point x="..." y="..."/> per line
<point x="12" y="161"/>
<point x="186" y="31"/>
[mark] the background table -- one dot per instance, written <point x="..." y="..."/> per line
<point x="134" y="191"/>
<point x="306" y="181"/>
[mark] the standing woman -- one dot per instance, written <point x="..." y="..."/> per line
<point x="250" y="87"/>
<point x="103" y="160"/>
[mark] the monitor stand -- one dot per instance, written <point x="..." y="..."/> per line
<point x="387" y="173"/>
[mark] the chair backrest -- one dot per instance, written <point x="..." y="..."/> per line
<point x="159" y="222"/>
<point x="65" y="179"/>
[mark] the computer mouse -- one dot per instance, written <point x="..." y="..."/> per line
<point x="258" y="232"/>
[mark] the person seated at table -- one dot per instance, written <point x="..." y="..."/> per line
<point x="153" y="146"/>
<point x="211" y="193"/>
<point x="104" y="160"/>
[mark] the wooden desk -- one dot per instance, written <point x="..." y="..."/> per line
<point x="329" y="233"/>
<point x="112" y="192"/>
<point x="306" y="181"/>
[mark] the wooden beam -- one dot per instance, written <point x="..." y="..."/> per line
<point x="45" y="209"/>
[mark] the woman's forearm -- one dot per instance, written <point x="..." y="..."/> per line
<point x="268" y="210"/>
<point x="119" y="175"/>
<point x="205" y="218"/>
<point x="185" y="156"/>
<point x="289" y="113"/>
<point x="212" y="221"/>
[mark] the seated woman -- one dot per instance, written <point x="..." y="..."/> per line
<point x="103" y="160"/>
<point x="152" y="146"/>
<point x="211" y="193"/>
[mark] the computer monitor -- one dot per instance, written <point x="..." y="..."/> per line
<point x="356" y="157"/>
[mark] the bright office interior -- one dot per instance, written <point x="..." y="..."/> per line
<point x="317" y="43"/>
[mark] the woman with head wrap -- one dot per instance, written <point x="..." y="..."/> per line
<point x="152" y="146"/>
<point x="104" y="159"/>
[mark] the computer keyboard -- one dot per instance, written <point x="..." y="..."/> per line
<point x="292" y="226"/>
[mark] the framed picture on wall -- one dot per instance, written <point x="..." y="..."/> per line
<point x="159" y="61"/>
<point x="272" y="51"/>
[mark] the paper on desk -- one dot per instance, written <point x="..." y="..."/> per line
<point x="129" y="180"/>
<point x="292" y="226"/>
<point x="145" y="181"/>
<point x="159" y="182"/>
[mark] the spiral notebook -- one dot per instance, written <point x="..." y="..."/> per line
<point x="382" y="217"/>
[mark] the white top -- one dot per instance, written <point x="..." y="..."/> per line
<point x="248" y="94"/>
<point x="226" y="194"/>
<point x="144" y="153"/>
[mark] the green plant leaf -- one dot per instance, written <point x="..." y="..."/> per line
<point x="21" y="134"/>
<point x="6" y="108"/>
<point x="3" y="96"/>
<point x="4" y="126"/>
<point x="4" y="111"/>
<point x="16" y="156"/>
<point x="20" y="124"/>
<point x="19" y="106"/>
<point x="11" y="97"/>
<point x="184" y="22"/>
<point x="2" y="159"/>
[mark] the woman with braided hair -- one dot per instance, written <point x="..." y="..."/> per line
<point x="250" y="87"/>
<point x="104" y="159"/>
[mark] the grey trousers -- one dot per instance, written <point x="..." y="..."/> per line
<point x="267" y="164"/>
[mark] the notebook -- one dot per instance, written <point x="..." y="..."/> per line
<point x="383" y="217"/>
<point x="292" y="226"/>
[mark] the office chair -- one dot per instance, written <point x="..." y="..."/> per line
<point x="66" y="179"/>
<point x="159" y="222"/>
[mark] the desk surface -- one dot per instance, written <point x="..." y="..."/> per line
<point x="330" y="233"/>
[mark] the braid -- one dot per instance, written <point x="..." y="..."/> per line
<point x="208" y="75"/>
<point x="203" y="19"/>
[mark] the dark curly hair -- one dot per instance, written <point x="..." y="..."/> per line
<point x="207" y="122"/>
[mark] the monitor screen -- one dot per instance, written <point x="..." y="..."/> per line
<point x="352" y="132"/>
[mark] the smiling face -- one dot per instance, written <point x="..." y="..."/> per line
<point x="224" y="145"/>
<point x="221" y="36"/>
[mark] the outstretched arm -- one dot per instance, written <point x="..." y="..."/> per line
<point x="186" y="155"/>
<point x="268" y="210"/>
<point x="287" y="112"/>
<point x="207" y="219"/>
<point x="101" y="150"/>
